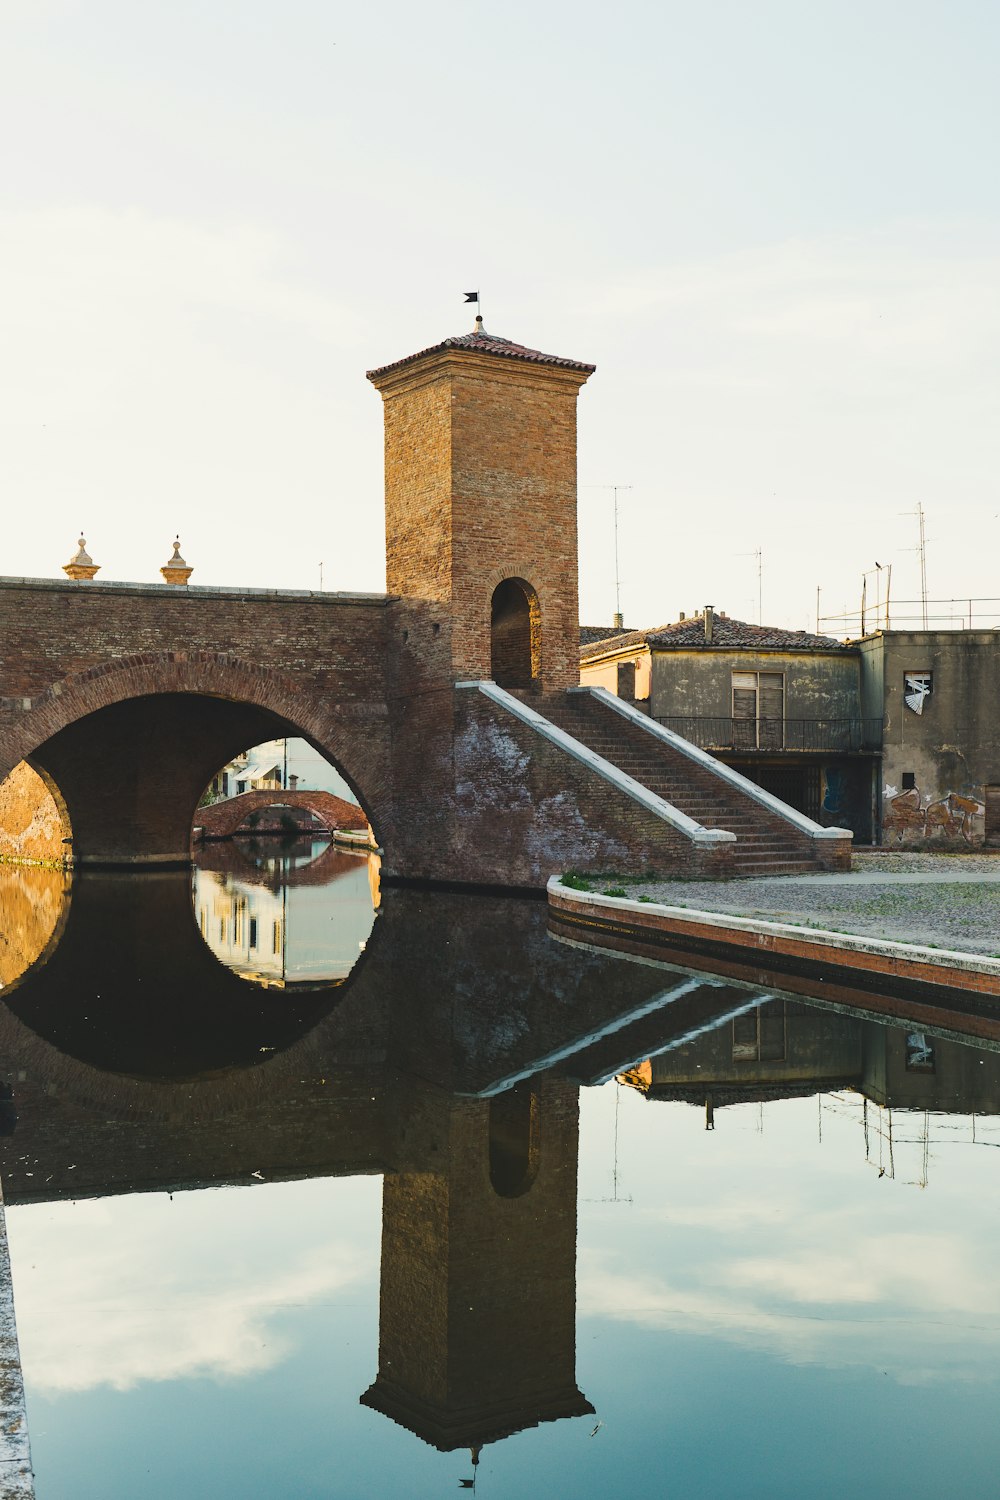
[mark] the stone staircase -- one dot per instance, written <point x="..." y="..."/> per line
<point x="767" y="844"/>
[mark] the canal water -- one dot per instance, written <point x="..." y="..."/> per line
<point x="318" y="1189"/>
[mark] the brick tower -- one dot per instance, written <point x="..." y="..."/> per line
<point x="480" y="501"/>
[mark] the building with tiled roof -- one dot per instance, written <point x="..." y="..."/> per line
<point x="781" y="706"/>
<point x="709" y="629"/>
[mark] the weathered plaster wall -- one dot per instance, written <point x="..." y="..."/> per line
<point x="32" y="824"/>
<point x="610" y="675"/>
<point x="951" y="748"/>
<point x="700" y="682"/>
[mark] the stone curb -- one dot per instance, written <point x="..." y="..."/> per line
<point x="844" y="951"/>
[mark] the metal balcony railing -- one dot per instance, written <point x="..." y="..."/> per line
<point x="835" y="735"/>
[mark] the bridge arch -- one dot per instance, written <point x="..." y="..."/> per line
<point x="131" y="745"/>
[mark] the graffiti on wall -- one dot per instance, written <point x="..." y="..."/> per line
<point x="908" y="818"/>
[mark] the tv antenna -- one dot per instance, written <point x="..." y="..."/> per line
<point x="882" y="572"/>
<point x="759" y="555"/>
<point x="923" y="563"/>
<point x="615" y="489"/>
<point x="922" y="550"/>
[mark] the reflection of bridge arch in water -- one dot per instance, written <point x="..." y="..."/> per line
<point x="131" y="746"/>
<point x="467" y="992"/>
<point x="129" y="988"/>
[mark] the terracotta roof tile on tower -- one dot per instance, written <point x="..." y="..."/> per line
<point x="481" y="342"/>
<point x="726" y="634"/>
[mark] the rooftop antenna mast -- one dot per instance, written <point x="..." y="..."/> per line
<point x="922" y="550"/>
<point x="923" y="563"/>
<point x="615" y="489"/>
<point x="879" y="572"/>
<point x="619" y="618"/>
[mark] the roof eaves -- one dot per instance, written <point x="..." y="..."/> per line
<point x="491" y="344"/>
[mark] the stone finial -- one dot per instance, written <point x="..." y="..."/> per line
<point x="175" y="569"/>
<point x="82" y="565"/>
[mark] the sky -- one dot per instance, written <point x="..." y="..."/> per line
<point x="773" y="227"/>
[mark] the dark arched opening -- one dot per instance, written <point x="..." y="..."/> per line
<point x="132" y="773"/>
<point x="515" y="634"/>
<point x="513" y="1142"/>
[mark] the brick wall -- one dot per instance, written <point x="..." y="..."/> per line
<point x="238" y="667"/>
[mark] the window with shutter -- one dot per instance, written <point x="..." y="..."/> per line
<point x="759" y="710"/>
<point x="771" y="710"/>
<point x="745" y="710"/>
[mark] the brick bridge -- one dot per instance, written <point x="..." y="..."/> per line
<point x="447" y="703"/>
<point x="222" y="819"/>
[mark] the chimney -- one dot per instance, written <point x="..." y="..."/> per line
<point x="709" y="623"/>
<point x="619" y="621"/>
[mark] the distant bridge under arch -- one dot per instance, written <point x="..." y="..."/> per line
<point x="220" y="820"/>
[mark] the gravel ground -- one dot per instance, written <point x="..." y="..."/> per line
<point x="960" y="909"/>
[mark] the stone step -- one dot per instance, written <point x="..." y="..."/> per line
<point x="765" y="845"/>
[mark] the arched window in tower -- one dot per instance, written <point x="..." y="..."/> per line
<point x="516" y="634"/>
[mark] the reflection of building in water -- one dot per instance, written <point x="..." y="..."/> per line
<point x="281" y="934"/>
<point x="477" y="1332"/>
<point x="786" y="1049"/>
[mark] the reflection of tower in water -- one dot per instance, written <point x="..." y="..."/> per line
<point x="477" y="1334"/>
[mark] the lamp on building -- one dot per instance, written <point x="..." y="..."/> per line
<point x="176" y="570"/>
<point x="82" y="566"/>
